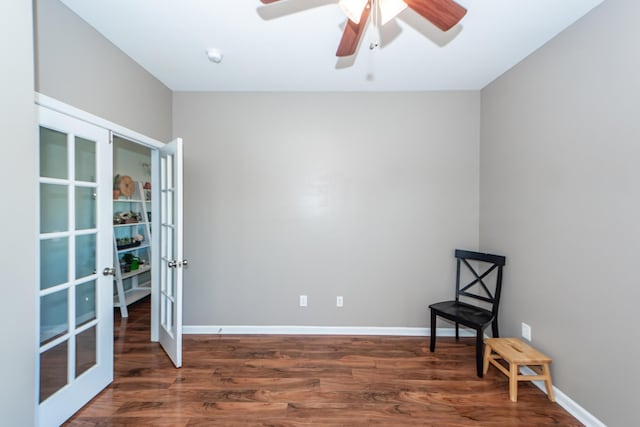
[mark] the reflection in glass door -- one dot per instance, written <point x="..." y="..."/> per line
<point x="76" y="323"/>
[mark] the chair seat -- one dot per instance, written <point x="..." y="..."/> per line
<point x="466" y="314"/>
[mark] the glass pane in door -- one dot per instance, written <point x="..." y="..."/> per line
<point x="53" y="154"/>
<point x="54" y="262"/>
<point x="54" y="208"/>
<point x="170" y="177"/>
<point x="169" y="320"/>
<point x="85" y="302"/>
<point x="170" y="291"/>
<point x="167" y="241"/>
<point x="163" y="314"/>
<point x="53" y="370"/>
<point x="54" y="316"/>
<point x="85" y="160"/>
<point x="85" y="208"/>
<point x="85" y="350"/>
<point x="85" y="255"/>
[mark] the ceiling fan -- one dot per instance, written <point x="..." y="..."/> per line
<point x="444" y="14"/>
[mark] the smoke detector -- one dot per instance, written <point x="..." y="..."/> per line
<point x="214" y="55"/>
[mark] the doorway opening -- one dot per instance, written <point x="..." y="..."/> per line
<point x="132" y="223"/>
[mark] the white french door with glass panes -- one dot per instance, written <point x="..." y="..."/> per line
<point x="75" y="261"/>
<point x="171" y="257"/>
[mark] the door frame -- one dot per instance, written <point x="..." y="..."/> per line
<point x="138" y="138"/>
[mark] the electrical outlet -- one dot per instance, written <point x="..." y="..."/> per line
<point x="303" y="300"/>
<point x="339" y="301"/>
<point x="526" y="331"/>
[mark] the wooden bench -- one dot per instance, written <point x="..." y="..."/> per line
<point x="517" y="353"/>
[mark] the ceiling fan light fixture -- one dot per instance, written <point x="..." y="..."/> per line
<point x="353" y="9"/>
<point x="389" y="9"/>
<point x="444" y="14"/>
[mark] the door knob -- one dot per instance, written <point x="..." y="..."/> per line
<point x="109" y="271"/>
<point x="172" y="264"/>
<point x="185" y="263"/>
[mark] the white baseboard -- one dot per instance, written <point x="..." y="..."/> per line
<point x="320" y="330"/>
<point x="571" y="406"/>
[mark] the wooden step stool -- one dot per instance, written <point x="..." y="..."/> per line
<point x="517" y="353"/>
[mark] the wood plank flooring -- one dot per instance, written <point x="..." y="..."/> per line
<point x="293" y="381"/>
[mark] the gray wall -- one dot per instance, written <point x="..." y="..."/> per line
<point x="78" y="66"/>
<point x="17" y="216"/>
<point x="352" y="194"/>
<point x="560" y="195"/>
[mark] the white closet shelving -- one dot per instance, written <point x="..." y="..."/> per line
<point x="132" y="247"/>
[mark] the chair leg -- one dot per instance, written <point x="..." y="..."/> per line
<point x="494" y="328"/>
<point x="432" y="345"/>
<point x="457" y="332"/>
<point x="479" y="352"/>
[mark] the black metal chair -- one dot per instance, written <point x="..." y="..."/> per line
<point x="473" y="316"/>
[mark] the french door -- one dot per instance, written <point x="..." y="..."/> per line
<point x="171" y="259"/>
<point x="75" y="263"/>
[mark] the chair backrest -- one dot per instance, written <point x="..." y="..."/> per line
<point x="478" y="288"/>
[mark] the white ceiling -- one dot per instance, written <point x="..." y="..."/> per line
<point x="290" y="45"/>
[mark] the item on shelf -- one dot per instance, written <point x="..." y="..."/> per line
<point x="130" y="262"/>
<point x="126" y="243"/>
<point x="116" y="188"/>
<point x="127" y="217"/>
<point x="126" y="186"/>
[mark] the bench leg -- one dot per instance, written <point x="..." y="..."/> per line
<point x="547" y="381"/>
<point x="513" y="382"/>
<point x="487" y="354"/>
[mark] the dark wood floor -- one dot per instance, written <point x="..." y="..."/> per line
<point x="306" y="381"/>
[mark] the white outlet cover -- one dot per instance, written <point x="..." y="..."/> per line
<point x="339" y="301"/>
<point x="526" y="331"/>
<point x="303" y="300"/>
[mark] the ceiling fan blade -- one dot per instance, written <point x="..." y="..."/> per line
<point x="444" y="14"/>
<point x="353" y="33"/>
<point x="268" y="1"/>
